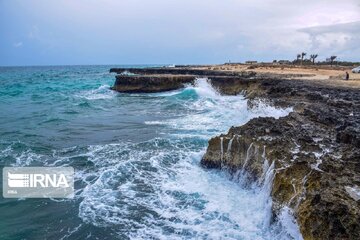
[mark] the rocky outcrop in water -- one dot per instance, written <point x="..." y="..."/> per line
<point x="164" y="79"/>
<point x="154" y="82"/>
<point x="151" y="83"/>
<point x="177" y="71"/>
<point x="315" y="151"/>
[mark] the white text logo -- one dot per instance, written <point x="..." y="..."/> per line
<point x="38" y="182"/>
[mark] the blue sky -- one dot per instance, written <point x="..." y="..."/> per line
<point x="43" y="32"/>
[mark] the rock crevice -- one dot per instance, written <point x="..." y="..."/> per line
<point x="315" y="152"/>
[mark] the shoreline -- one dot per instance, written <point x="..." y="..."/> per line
<point x="315" y="150"/>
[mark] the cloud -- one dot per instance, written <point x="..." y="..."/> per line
<point x="187" y="31"/>
<point x="337" y="39"/>
<point x="34" y="32"/>
<point x="17" y="44"/>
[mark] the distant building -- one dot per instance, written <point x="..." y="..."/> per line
<point x="284" y="62"/>
<point x="232" y="63"/>
<point x="251" y="62"/>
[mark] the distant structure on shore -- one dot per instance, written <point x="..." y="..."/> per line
<point x="301" y="59"/>
<point x="281" y="62"/>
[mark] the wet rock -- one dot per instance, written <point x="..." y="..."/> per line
<point x="165" y="82"/>
<point x="315" y="151"/>
<point x="151" y="83"/>
<point x="180" y="71"/>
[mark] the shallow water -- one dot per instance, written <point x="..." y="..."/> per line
<point x="136" y="158"/>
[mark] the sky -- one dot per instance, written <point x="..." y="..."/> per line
<point x="67" y="32"/>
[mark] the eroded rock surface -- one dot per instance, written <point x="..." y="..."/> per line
<point x="159" y="79"/>
<point x="177" y="71"/>
<point x="150" y="83"/>
<point x="315" y="151"/>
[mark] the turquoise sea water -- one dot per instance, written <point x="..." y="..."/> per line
<point x="136" y="158"/>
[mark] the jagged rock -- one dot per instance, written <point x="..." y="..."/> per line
<point x="160" y="83"/>
<point x="151" y="83"/>
<point x="165" y="79"/>
<point x="180" y="71"/>
<point x="315" y="152"/>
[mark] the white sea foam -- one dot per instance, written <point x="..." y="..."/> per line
<point x="212" y="113"/>
<point x="354" y="192"/>
<point x="102" y="92"/>
<point x="21" y="158"/>
<point x="156" y="189"/>
<point x="182" y="197"/>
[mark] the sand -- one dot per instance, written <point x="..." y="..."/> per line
<point x="326" y="75"/>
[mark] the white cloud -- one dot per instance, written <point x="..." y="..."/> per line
<point x="17" y="44"/>
<point x="205" y="30"/>
<point x="338" y="39"/>
<point x="34" y="32"/>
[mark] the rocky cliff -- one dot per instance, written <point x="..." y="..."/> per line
<point x="176" y="71"/>
<point x="151" y="83"/>
<point x="165" y="79"/>
<point x="315" y="152"/>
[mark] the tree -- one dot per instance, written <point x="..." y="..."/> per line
<point x="303" y="54"/>
<point x="298" y="57"/>
<point x="332" y="59"/>
<point x="313" y="57"/>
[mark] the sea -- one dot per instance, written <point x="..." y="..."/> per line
<point x="136" y="159"/>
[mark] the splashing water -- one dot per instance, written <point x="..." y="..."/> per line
<point x="140" y="178"/>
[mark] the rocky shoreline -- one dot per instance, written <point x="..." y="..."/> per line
<point x="314" y="152"/>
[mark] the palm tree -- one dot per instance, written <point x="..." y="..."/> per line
<point x="298" y="57"/>
<point x="313" y="57"/>
<point x="303" y="54"/>
<point x="332" y="59"/>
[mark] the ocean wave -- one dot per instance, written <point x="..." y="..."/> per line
<point x="157" y="189"/>
<point x="211" y="112"/>
<point x="102" y="92"/>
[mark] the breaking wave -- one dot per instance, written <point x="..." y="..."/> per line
<point x="153" y="188"/>
<point x="156" y="189"/>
